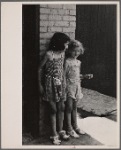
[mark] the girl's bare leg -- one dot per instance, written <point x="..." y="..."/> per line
<point x="60" y="115"/>
<point x="69" y="107"/>
<point x="74" y="115"/>
<point x="53" y="112"/>
<point x="74" y="119"/>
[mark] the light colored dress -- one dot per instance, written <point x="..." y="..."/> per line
<point x="73" y="82"/>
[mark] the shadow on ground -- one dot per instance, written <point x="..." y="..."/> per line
<point x="83" y="140"/>
<point x="92" y="104"/>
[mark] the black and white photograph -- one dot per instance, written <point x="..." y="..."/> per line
<point x="62" y="71"/>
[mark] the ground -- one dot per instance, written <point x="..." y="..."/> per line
<point x="92" y="104"/>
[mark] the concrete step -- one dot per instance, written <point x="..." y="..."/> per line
<point x="102" y="129"/>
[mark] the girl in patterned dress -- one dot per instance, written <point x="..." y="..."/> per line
<point x="54" y="83"/>
<point x="74" y="93"/>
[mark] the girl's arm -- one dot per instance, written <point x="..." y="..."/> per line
<point x="40" y="72"/>
<point x="81" y="75"/>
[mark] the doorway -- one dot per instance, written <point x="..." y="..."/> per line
<point x="30" y="62"/>
<point x="96" y="29"/>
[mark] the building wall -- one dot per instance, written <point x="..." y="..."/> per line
<point x="56" y="18"/>
<point x="53" y="18"/>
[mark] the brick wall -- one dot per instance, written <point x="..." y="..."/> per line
<point x="56" y="18"/>
<point x="53" y="18"/>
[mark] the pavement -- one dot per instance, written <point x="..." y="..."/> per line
<point x="97" y="116"/>
<point x="102" y="129"/>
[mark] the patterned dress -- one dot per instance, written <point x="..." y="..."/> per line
<point x="54" y="70"/>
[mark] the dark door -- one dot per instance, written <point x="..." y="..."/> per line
<point x="30" y="59"/>
<point x="96" y="29"/>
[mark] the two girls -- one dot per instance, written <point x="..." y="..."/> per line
<point x="56" y="89"/>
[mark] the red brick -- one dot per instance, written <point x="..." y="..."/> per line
<point x="73" y="12"/>
<point x="55" y="17"/>
<point x="69" y="18"/>
<point x="43" y="17"/>
<point x="44" y="11"/>
<point x="72" y="35"/>
<point x="55" y="29"/>
<point x="42" y="5"/>
<point x="43" y="23"/>
<point x="43" y="29"/>
<point x="46" y="23"/>
<point x="69" y="30"/>
<point x="55" y="6"/>
<point x="44" y="41"/>
<point x="53" y="11"/>
<point x="73" y="24"/>
<point x="61" y="23"/>
<point x="71" y="6"/>
<point x="46" y="35"/>
<point x="63" y="12"/>
<point x="51" y="23"/>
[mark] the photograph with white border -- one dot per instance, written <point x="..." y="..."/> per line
<point x="29" y="32"/>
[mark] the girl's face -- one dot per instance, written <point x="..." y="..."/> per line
<point x="66" y="45"/>
<point x="76" y="52"/>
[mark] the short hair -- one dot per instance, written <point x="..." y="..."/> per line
<point x="57" y="41"/>
<point x="75" y="43"/>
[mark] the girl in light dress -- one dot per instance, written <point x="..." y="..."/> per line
<point x="73" y="86"/>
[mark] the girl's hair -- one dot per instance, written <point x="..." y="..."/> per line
<point x="74" y="44"/>
<point x="57" y="41"/>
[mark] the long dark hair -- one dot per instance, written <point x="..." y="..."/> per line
<point x="57" y="41"/>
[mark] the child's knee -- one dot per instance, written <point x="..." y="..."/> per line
<point x="61" y="107"/>
<point x="53" y="109"/>
<point x="69" y="105"/>
<point x="69" y="108"/>
<point x="75" y="105"/>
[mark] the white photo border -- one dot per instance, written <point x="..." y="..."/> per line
<point x="11" y="74"/>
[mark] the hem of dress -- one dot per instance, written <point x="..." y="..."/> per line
<point x="54" y="101"/>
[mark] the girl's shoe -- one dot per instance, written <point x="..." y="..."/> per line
<point x="55" y="140"/>
<point x="63" y="135"/>
<point x="73" y="134"/>
<point x="79" y="131"/>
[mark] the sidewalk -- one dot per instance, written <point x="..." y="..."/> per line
<point x="102" y="129"/>
<point x="93" y="104"/>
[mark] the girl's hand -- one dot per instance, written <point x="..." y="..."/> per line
<point x="89" y="76"/>
<point x="86" y="76"/>
<point x="57" y="81"/>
